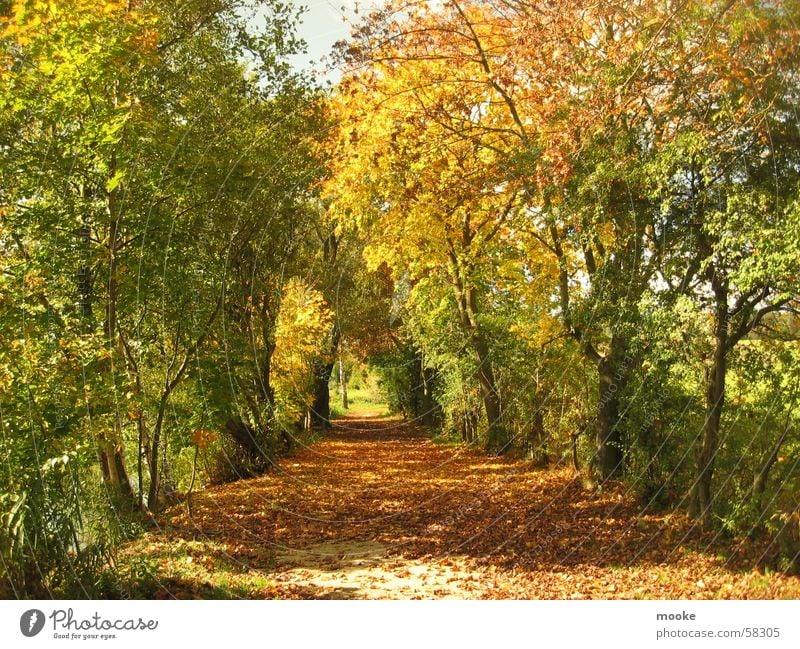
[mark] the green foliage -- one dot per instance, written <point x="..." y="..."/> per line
<point x="133" y="211"/>
<point x="612" y="268"/>
<point x="586" y="255"/>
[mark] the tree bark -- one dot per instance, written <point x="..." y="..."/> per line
<point x="536" y="440"/>
<point x="614" y="370"/>
<point x="609" y="457"/>
<point x="111" y="446"/>
<point x="321" y="408"/>
<point x="422" y="405"/>
<point x="169" y="386"/>
<point x="343" y="384"/>
<point x="469" y="427"/>
<point x="152" y="494"/>
<point x="573" y="438"/>
<point x="706" y="450"/>
<point x="429" y="406"/>
<point x="760" y="479"/>
<point x="497" y="439"/>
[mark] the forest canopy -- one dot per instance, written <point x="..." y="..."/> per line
<point x="593" y="211"/>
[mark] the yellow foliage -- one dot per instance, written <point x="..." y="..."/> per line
<point x="302" y="331"/>
<point x="34" y="20"/>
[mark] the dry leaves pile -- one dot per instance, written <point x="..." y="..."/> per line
<point x="377" y="510"/>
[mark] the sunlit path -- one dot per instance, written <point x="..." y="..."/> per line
<point x="379" y="510"/>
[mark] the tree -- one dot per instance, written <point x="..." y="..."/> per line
<point x="128" y="197"/>
<point x="730" y="178"/>
<point x="428" y="194"/>
<point x="521" y="118"/>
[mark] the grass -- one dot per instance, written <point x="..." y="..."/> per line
<point x="360" y="400"/>
<point x="151" y="568"/>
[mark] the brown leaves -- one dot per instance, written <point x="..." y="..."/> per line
<point x="379" y="511"/>
<point x="201" y="438"/>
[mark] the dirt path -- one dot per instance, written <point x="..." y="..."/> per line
<point x="377" y="510"/>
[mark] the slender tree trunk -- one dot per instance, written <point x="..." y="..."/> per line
<point x="111" y="446"/>
<point x="343" y="384"/>
<point x="417" y="386"/>
<point x="574" y="444"/>
<point x="140" y="461"/>
<point x="708" y="446"/>
<point x="497" y="440"/>
<point x="706" y="451"/>
<point x="471" y="425"/>
<point x="135" y="378"/>
<point x="190" y="490"/>
<point x="169" y="387"/>
<point x="429" y="405"/>
<point x="613" y="371"/>
<point x="536" y="440"/>
<point x="155" y="445"/>
<point x="761" y="477"/>
<point x="321" y="409"/>
<point x="608" y="438"/>
<point x="123" y="479"/>
<point x="112" y="467"/>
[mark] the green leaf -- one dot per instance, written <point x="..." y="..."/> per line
<point x="113" y="182"/>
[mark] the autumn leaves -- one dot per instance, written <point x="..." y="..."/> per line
<point x="585" y="170"/>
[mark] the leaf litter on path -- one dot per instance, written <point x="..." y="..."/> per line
<point x="377" y="510"/>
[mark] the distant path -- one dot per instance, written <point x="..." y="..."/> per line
<point x="377" y="510"/>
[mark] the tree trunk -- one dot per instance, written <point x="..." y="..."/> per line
<point x="109" y="451"/>
<point x="115" y="473"/>
<point x="574" y="444"/>
<point x="140" y="429"/>
<point x="609" y="441"/>
<point x="429" y="405"/>
<point x="497" y="440"/>
<point x="166" y="393"/>
<point x="112" y="466"/>
<point x="468" y="426"/>
<point x="537" y="440"/>
<point x="192" y="481"/>
<point x="415" y="396"/>
<point x="123" y="480"/>
<point x="706" y="450"/>
<point x="760" y="479"/>
<point x="321" y="408"/>
<point x="613" y="371"/>
<point x="155" y="478"/>
<point x="343" y="384"/>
